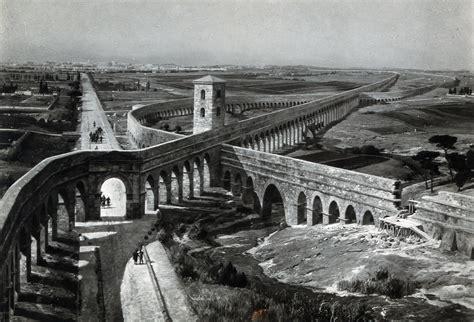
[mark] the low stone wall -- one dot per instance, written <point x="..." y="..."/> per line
<point x="450" y="217"/>
<point x="144" y="136"/>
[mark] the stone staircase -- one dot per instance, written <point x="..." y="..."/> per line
<point x="51" y="294"/>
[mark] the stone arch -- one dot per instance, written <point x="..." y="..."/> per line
<point x="250" y="197"/>
<point x="317" y="210"/>
<point x="206" y="170"/>
<point x="114" y="189"/>
<point x="80" y="206"/>
<point x="151" y="198"/>
<point x="198" y="176"/>
<point x="333" y="212"/>
<point x="257" y="142"/>
<point x="350" y="215"/>
<point x="65" y="214"/>
<point x="237" y="185"/>
<point x="164" y="189"/>
<point x="301" y="208"/>
<point x="273" y="203"/>
<point x="176" y="185"/>
<point x="226" y="181"/>
<point x="368" y="218"/>
<point x="188" y="183"/>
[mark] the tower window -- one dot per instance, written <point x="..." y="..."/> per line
<point x="203" y="94"/>
<point x="218" y="111"/>
<point x="218" y="94"/>
<point x="203" y="112"/>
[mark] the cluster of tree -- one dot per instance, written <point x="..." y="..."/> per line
<point x="11" y="88"/>
<point x="228" y="275"/>
<point x="74" y="89"/>
<point x="462" y="91"/>
<point x="43" y="87"/>
<point x="461" y="164"/>
<point x="365" y="149"/>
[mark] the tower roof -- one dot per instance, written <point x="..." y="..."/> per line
<point x="209" y="79"/>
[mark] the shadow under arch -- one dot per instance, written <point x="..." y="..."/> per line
<point x="273" y="204"/>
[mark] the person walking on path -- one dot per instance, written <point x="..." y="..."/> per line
<point x="135" y="256"/>
<point x="140" y="254"/>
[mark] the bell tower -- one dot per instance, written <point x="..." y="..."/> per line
<point x="209" y="104"/>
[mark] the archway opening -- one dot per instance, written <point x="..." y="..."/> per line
<point x="301" y="210"/>
<point x="226" y="181"/>
<point x="249" y="196"/>
<point x="63" y="223"/>
<point x="237" y="186"/>
<point x="333" y="212"/>
<point x="187" y="181"/>
<point x="368" y="218"/>
<point x="175" y="185"/>
<point x="80" y="205"/>
<point x="350" y="215"/>
<point x="317" y="211"/>
<point x="206" y="172"/>
<point x="163" y="189"/>
<point x="273" y="207"/>
<point x="113" y="198"/>
<point x="150" y="197"/>
<point x="197" y="177"/>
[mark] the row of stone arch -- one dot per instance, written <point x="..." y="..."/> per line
<point x="318" y="209"/>
<point x="295" y="131"/>
<point x="368" y="101"/>
<point x="49" y="223"/>
<point x="153" y="117"/>
<point x="238" y="108"/>
<point x="174" y="184"/>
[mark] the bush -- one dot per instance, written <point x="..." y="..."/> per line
<point x="383" y="283"/>
<point x="228" y="275"/>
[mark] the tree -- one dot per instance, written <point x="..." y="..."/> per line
<point x="461" y="178"/>
<point x="470" y="159"/>
<point x="445" y="142"/>
<point x="458" y="162"/>
<point x="426" y="159"/>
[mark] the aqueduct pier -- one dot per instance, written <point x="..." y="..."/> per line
<point x="237" y="157"/>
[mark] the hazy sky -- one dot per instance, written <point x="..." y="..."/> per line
<point x="429" y="34"/>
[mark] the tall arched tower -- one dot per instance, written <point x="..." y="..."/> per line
<point x="209" y="104"/>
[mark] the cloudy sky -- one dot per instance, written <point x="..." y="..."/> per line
<point x="426" y="34"/>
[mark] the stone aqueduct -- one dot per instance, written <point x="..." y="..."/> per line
<point x="237" y="159"/>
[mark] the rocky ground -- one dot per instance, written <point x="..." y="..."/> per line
<point x="307" y="263"/>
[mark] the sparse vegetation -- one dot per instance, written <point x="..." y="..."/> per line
<point x="382" y="283"/>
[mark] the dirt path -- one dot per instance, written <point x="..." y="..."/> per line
<point x="92" y="112"/>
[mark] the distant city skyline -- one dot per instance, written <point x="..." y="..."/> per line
<point x="414" y="34"/>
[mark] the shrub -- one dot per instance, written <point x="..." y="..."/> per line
<point x="228" y="275"/>
<point x="382" y="283"/>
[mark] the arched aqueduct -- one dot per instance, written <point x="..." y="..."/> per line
<point x="237" y="157"/>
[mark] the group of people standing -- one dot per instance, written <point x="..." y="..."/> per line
<point x="104" y="201"/>
<point x="138" y="255"/>
<point x="96" y="136"/>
